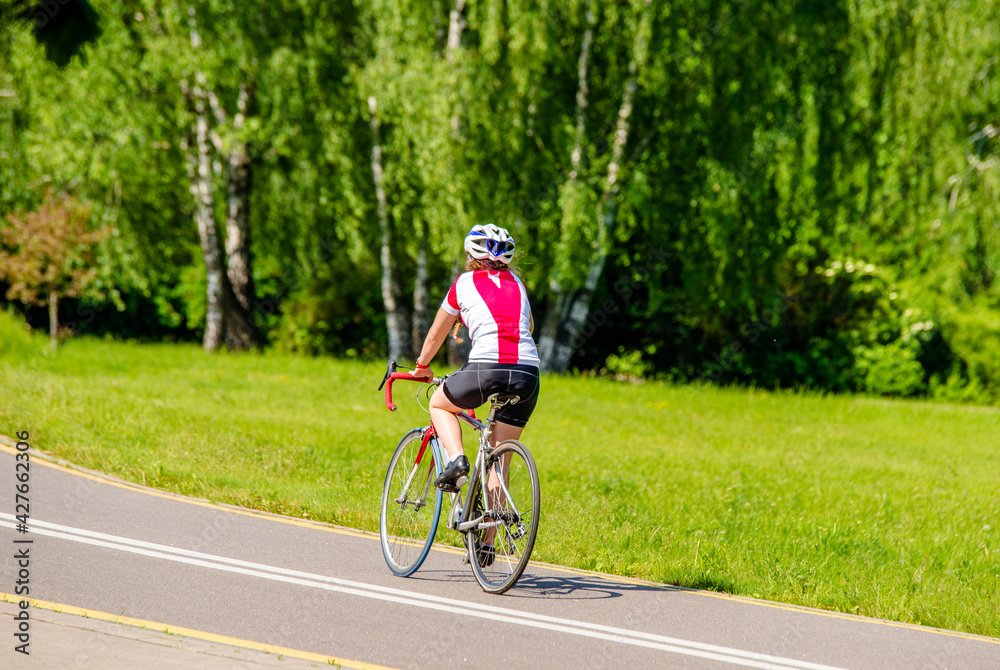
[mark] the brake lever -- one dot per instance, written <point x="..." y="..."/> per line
<point x="389" y="369"/>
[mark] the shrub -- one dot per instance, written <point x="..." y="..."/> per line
<point x="627" y="366"/>
<point x="337" y="312"/>
<point x="889" y="369"/>
<point x="973" y="333"/>
<point x="16" y="339"/>
<point x="958" y="388"/>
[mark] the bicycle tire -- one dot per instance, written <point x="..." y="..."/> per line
<point x="411" y="505"/>
<point x="514" y="536"/>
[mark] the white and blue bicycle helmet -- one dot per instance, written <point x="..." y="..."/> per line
<point x="490" y="242"/>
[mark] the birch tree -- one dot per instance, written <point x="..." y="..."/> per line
<point x="567" y="339"/>
<point x="226" y="319"/>
<point x="458" y="347"/>
<point x="397" y="334"/>
<point x="573" y="191"/>
<point x="422" y="306"/>
<point x="199" y="164"/>
<point x="238" y="179"/>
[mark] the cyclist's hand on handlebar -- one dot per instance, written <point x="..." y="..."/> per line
<point x="422" y="373"/>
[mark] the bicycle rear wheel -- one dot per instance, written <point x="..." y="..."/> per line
<point x="411" y="505"/>
<point x="510" y="509"/>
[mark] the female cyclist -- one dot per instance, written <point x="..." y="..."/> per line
<point x="493" y="303"/>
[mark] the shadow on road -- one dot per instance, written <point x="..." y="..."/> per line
<point x="575" y="587"/>
<point x="549" y="586"/>
<point x="578" y="587"/>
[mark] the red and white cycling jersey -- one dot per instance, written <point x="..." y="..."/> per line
<point x="494" y="306"/>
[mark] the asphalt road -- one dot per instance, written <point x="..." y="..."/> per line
<point x="226" y="575"/>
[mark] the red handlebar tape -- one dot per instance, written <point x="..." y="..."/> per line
<point x="388" y="386"/>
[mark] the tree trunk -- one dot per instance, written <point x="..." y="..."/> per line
<point x="393" y="321"/>
<point x="200" y="173"/>
<point x="201" y="190"/>
<point x="558" y="310"/>
<point x="582" y="91"/>
<point x="238" y="223"/>
<point x="241" y="331"/>
<point x="421" y="308"/>
<point x="456" y="24"/>
<point x="225" y="318"/>
<point x="458" y="351"/>
<point x="571" y="335"/>
<point x="53" y="319"/>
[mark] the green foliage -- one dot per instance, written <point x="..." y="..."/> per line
<point x="889" y="369"/>
<point x="627" y="365"/>
<point x="190" y="292"/>
<point x="770" y="144"/>
<point x="973" y="333"/>
<point x="958" y="389"/>
<point x="578" y="238"/>
<point x="322" y="318"/>
<point x="17" y="342"/>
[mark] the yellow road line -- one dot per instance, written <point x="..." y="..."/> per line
<point x="105" y="479"/>
<point x="197" y="634"/>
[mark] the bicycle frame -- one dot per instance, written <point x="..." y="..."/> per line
<point x="498" y="536"/>
<point x="485" y="430"/>
<point x="428" y="434"/>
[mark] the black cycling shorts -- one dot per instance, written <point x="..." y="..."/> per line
<point x="475" y="382"/>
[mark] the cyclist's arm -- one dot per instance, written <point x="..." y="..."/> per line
<point x="436" y="336"/>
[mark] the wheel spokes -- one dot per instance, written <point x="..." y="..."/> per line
<point x="410" y="507"/>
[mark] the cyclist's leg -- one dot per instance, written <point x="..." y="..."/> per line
<point x="444" y="415"/>
<point x="505" y="431"/>
<point x="515" y="520"/>
<point x="501" y="433"/>
<point x="510" y="422"/>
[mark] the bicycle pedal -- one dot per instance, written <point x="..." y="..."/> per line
<point x="461" y="481"/>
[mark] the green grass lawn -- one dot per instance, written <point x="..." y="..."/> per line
<point x="887" y="509"/>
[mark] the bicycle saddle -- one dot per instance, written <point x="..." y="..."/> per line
<point x="505" y="398"/>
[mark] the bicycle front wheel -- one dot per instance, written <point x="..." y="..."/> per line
<point x="509" y="507"/>
<point x="411" y="505"/>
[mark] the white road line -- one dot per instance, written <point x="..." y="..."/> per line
<point x="399" y="596"/>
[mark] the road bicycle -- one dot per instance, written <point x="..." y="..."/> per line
<point x="502" y="502"/>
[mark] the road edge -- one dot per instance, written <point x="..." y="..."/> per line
<point x="7" y="445"/>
